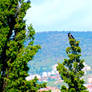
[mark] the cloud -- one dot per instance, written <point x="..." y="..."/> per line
<point x="55" y="14"/>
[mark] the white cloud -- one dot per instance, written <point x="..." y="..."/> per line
<point x="56" y="13"/>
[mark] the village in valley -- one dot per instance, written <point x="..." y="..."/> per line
<point x="54" y="76"/>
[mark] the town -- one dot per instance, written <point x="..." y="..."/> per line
<point x="54" y="75"/>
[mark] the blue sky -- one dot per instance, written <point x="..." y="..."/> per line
<point x="60" y="15"/>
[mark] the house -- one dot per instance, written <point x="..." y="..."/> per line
<point x="53" y="89"/>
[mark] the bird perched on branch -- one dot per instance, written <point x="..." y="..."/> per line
<point x="70" y="36"/>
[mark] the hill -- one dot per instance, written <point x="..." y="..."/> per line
<point x="53" y="49"/>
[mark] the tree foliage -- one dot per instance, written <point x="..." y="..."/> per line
<point x="14" y="55"/>
<point x="71" y="69"/>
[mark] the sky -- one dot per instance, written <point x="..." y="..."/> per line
<point x="60" y="15"/>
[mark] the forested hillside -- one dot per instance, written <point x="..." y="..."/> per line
<point x="53" y="49"/>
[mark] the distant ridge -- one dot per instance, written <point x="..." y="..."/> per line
<point x="64" y="31"/>
<point x="53" y="49"/>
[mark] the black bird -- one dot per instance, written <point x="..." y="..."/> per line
<point x="70" y="36"/>
<point x="28" y="1"/>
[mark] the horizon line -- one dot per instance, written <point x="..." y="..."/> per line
<point x="60" y="31"/>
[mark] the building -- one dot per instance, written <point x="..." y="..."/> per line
<point x="53" y="89"/>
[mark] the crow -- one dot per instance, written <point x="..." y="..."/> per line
<point x="70" y="36"/>
<point x="28" y="1"/>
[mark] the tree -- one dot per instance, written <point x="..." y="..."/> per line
<point x="71" y="69"/>
<point x="14" y="55"/>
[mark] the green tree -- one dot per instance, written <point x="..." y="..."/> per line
<point x="71" y="69"/>
<point x="14" y="55"/>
